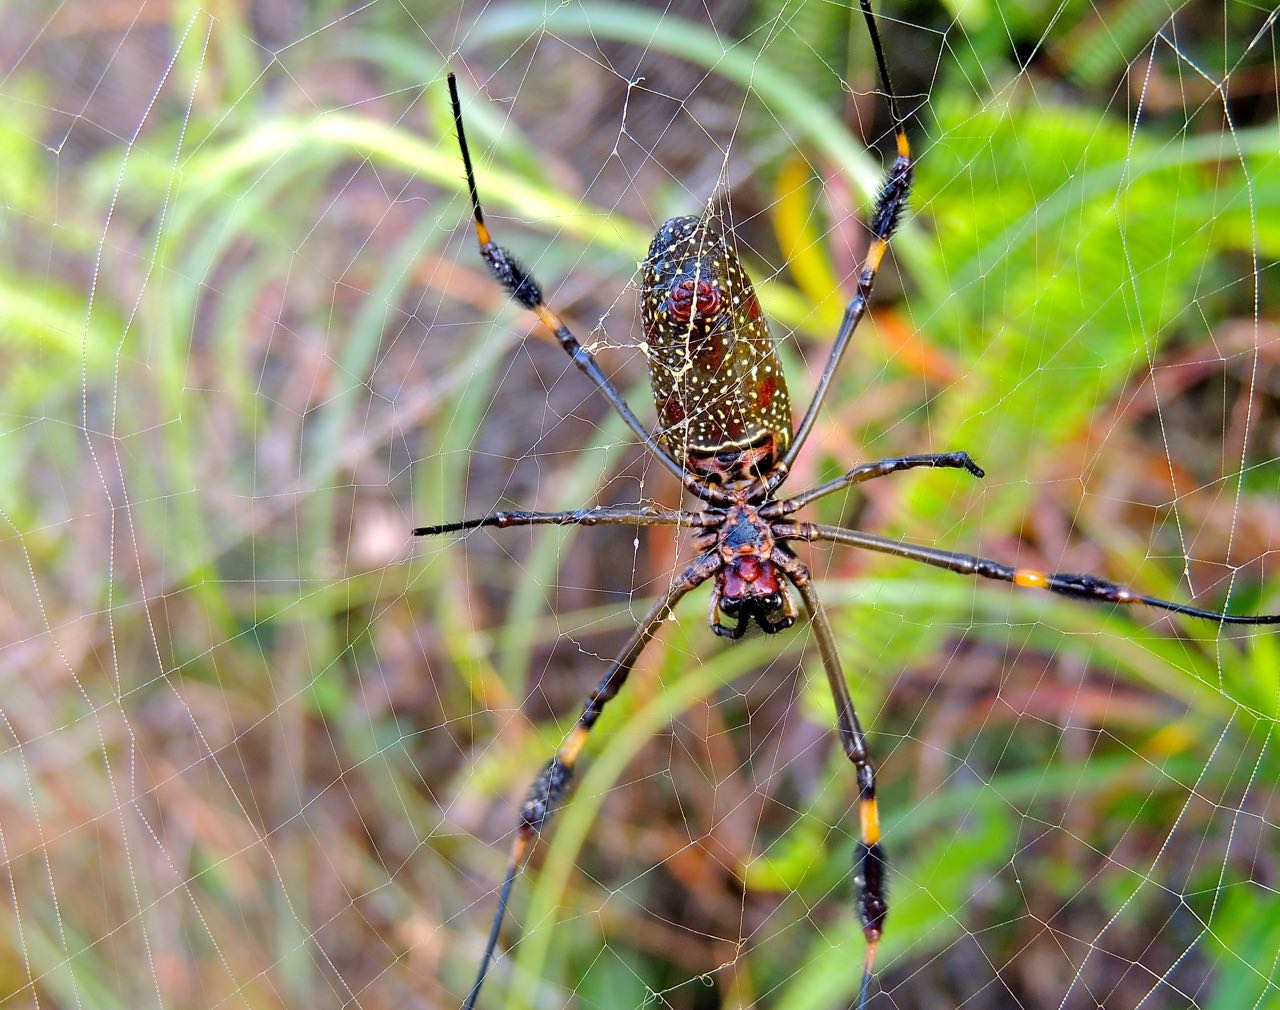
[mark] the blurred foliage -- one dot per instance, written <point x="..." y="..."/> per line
<point x="263" y="750"/>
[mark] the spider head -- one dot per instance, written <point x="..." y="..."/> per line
<point x="751" y="588"/>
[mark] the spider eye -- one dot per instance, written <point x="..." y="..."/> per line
<point x="768" y="603"/>
<point x="731" y="605"/>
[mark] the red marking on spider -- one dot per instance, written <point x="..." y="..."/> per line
<point x="682" y="299"/>
<point x="764" y="394"/>
<point x="750" y="576"/>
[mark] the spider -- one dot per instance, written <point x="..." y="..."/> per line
<point x="725" y="432"/>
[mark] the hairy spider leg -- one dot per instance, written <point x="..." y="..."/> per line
<point x="552" y="783"/>
<point x="869" y="862"/>
<point x="871" y="471"/>
<point x="1080" y="586"/>
<point x="526" y="291"/>
<point x="890" y="203"/>
<point x="602" y="516"/>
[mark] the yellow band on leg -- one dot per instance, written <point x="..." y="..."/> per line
<point x="572" y="747"/>
<point x="548" y="318"/>
<point x="870" y="814"/>
<point x="875" y="253"/>
<point x="1030" y="578"/>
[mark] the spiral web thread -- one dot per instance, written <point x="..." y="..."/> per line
<point x="262" y="749"/>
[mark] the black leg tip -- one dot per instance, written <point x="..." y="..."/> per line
<point x="966" y="461"/>
<point x="431" y="531"/>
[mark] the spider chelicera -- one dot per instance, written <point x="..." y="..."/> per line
<point x="725" y="433"/>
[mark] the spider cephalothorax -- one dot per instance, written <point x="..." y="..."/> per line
<point x="726" y="435"/>
<point x="749" y="583"/>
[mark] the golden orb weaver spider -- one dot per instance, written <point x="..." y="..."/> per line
<point x="726" y="434"/>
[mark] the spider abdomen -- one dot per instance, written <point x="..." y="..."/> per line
<point x="717" y="381"/>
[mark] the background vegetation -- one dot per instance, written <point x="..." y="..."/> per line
<point x="260" y="749"/>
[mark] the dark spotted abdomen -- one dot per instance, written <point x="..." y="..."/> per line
<point x="717" y="382"/>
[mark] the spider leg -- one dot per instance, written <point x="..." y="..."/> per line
<point x="552" y="783"/>
<point x="870" y="471"/>
<point x="869" y="862"/>
<point x="890" y="204"/>
<point x="525" y="289"/>
<point x="1080" y="586"/>
<point x="643" y="516"/>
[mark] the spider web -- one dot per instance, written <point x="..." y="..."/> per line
<point x="260" y="748"/>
